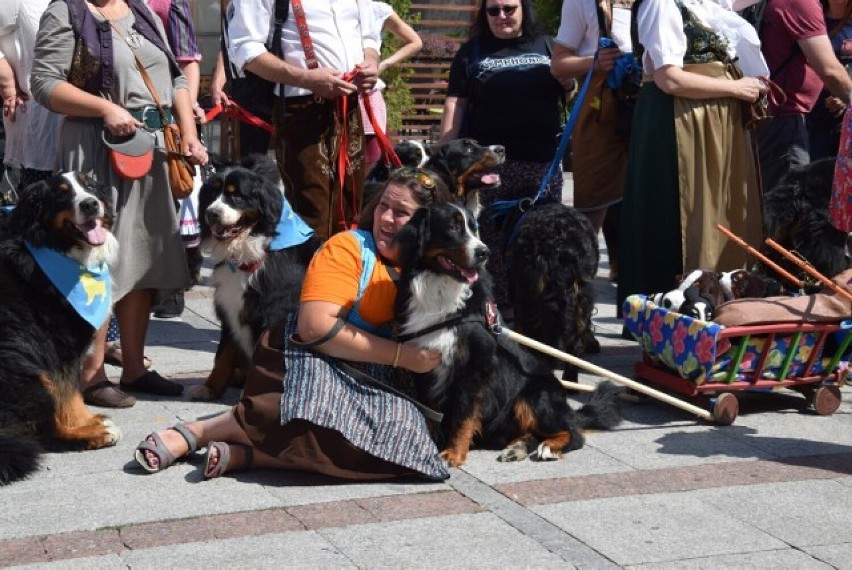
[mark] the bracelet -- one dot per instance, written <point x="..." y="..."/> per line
<point x="396" y="356"/>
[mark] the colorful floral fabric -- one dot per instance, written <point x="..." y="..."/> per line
<point x="693" y="349"/>
<point x="840" y="207"/>
<point x="677" y="341"/>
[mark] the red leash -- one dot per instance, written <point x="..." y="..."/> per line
<point x="343" y="162"/>
<point x="384" y="141"/>
<point x="234" y="110"/>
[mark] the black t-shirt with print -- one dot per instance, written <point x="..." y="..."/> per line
<point x="512" y="98"/>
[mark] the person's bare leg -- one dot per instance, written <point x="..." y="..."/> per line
<point x="93" y="362"/>
<point x="223" y="427"/>
<point x="133" y="312"/>
<point x="597" y="218"/>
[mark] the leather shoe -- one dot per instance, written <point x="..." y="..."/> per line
<point x="152" y="383"/>
<point x="107" y="395"/>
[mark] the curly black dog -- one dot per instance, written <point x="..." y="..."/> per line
<point x="43" y="338"/>
<point x="492" y="391"/>
<point x="795" y="214"/>
<point x="255" y="283"/>
<point x="552" y="252"/>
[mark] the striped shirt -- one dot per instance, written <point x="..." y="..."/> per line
<point x="176" y="16"/>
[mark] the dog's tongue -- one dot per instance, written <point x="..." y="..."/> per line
<point x="490" y="179"/>
<point x="94" y="232"/>
<point x="470" y="274"/>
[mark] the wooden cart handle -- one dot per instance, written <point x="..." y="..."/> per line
<point x="740" y="242"/>
<point x="809" y="269"/>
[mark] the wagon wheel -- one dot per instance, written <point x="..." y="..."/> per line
<point x="826" y="399"/>
<point x="725" y="409"/>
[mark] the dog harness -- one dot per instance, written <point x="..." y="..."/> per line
<point x="488" y="317"/>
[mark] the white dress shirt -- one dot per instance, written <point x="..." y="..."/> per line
<point x="661" y="32"/>
<point x="340" y="30"/>
<point x="31" y="139"/>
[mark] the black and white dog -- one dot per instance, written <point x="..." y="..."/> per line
<point x="256" y="283"/>
<point x="48" y="318"/>
<point x="491" y="391"/>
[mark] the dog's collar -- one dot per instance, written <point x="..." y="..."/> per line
<point x="244" y="267"/>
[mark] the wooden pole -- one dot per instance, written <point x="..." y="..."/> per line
<point x="564" y="356"/>
<point x="740" y="242"/>
<point x="809" y="269"/>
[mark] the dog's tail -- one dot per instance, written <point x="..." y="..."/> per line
<point x="601" y="411"/>
<point x="19" y="458"/>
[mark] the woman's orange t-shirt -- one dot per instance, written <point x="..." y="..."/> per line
<point x="335" y="272"/>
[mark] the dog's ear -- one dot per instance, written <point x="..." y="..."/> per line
<point x="411" y="239"/>
<point x="436" y="150"/>
<point x="31" y="214"/>
<point x="271" y="206"/>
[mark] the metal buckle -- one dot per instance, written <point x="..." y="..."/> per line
<point x="9" y="198"/>
<point x="150" y="111"/>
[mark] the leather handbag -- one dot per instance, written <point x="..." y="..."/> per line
<point x="181" y="172"/>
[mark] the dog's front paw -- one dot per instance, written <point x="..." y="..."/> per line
<point x="201" y="392"/>
<point x="515" y="452"/>
<point x="453" y="457"/>
<point x="113" y="433"/>
<point x="546" y="453"/>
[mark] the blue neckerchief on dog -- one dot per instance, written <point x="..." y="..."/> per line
<point x="88" y="289"/>
<point x="291" y="229"/>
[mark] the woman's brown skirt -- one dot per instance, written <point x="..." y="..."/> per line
<point x="299" y="444"/>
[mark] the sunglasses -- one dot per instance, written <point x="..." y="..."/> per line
<point x="494" y="11"/>
<point x="420" y="176"/>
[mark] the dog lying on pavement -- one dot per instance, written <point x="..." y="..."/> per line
<point x="491" y="391"/>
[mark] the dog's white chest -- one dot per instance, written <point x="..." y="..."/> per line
<point x="230" y="285"/>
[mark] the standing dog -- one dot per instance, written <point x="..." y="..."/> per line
<point x="43" y="338"/>
<point x="256" y="282"/>
<point x="552" y="252"/>
<point x="490" y="390"/>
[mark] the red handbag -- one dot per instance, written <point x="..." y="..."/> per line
<point x="840" y="206"/>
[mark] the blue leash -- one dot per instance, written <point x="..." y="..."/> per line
<point x="499" y="208"/>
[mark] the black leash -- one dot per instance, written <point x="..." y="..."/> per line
<point x="454" y="320"/>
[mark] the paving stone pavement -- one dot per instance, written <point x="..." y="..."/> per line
<point x="662" y="491"/>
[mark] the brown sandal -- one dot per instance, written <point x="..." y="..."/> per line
<point x="224" y="449"/>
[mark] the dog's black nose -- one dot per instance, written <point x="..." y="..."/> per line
<point x="89" y="206"/>
<point x="212" y="216"/>
<point x="481" y="254"/>
<point x="500" y="150"/>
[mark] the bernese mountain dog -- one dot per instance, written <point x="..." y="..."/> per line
<point x="257" y="278"/>
<point x="491" y="391"/>
<point x="795" y="214"/>
<point x="467" y="168"/>
<point x="64" y="220"/>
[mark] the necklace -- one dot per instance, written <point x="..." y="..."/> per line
<point x="132" y="38"/>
